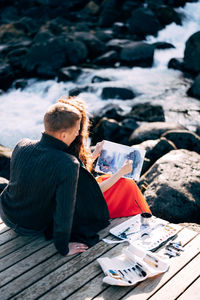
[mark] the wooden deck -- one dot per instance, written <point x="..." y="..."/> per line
<point x="31" y="268"/>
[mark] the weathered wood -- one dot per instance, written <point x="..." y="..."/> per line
<point x="116" y="292"/>
<point x="15" y="244"/>
<point x="192" y="292"/>
<point x="7" y="236"/>
<point x="180" y="281"/>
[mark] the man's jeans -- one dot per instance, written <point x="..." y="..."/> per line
<point x="18" y="229"/>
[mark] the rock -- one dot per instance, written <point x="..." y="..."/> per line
<point x="177" y="3"/>
<point x="82" y="89"/>
<point x="147" y="112"/>
<point x="104" y="35"/>
<point x="20" y="84"/>
<point x="5" y="155"/>
<point x="9" y="34"/>
<point x="69" y="73"/>
<point x="194" y="90"/>
<point x="152" y="131"/>
<point x="184" y="139"/>
<point x="110" y="12"/>
<point x="6" y="76"/>
<point x="117" y="44"/>
<point x="108" y="59"/>
<point x="106" y="129"/>
<point x="15" y="58"/>
<point x="176" y="64"/>
<point x="125" y="130"/>
<point x="9" y="14"/>
<point x="192" y="54"/>
<point x="174" y="186"/>
<point x="166" y="14"/>
<point x="120" y="29"/>
<point x="117" y="93"/>
<point x="109" y="111"/>
<point x="97" y="79"/>
<point x="28" y="25"/>
<point x="163" y="45"/>
<point x="3" y="183"/>
<point x="137" y="54"/>
<point x="144" y="22"/>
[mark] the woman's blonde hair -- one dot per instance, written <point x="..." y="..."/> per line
<point x="78" y="146"/>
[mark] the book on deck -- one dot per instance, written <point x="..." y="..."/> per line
<point x="113" y="156"/>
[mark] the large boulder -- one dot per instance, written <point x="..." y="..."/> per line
<point x="144" y="22"/>
<point x="184" y="139"/>
<point x="106" y="129"/>
<point x="147" y="112"/>
<point x="117" y="93"/>
<point x="165" y="14"/>
<point x="152" y="131"/>
<point x="174" y="186"/>
<point x="69" y="73"/>
<point x="192" y="54"/>
<point x="110" y="11"/>
<point x="108" y="59"/>
<point x="194" y="90"/>
<point x="137" y="54"/>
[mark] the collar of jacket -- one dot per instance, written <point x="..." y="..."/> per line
<point x="50" y="141"/>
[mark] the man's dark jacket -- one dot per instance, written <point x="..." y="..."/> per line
<point x="49" y="187"/>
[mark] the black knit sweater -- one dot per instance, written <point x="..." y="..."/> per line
<point x="48" y="186"/>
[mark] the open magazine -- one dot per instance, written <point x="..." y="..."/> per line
<point x="113" y="157"/>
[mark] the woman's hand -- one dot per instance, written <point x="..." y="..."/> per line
<point x="126" y="168"/>
<point x="76" y="248"/>
<point x="97" y="150"/>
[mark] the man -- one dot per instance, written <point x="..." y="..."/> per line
<point x="44" y="191"/>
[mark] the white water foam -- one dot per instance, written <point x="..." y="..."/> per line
<point x="21" y="112"/>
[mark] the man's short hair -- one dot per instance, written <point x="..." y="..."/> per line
<point x="60" y="116"/>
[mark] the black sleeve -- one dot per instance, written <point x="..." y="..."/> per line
<point x="64" y="211"/>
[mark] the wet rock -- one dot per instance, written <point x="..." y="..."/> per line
<point x="108" y="59"/>
<point x="152" y="131"/>
<point x="28" y="25"/>
<point x="15" y="58"/>
<point x="76" y="91"/>
<point x="163" y="45"/>
<point x="97" y="79"/>
<point x="69" y="73"/>
<point x="9" y="33"/>
<point x="176" y="64"/>
<point x="117" y="93"/>
<point x="117" y="44"/>
<point x="110" y="12"/>
<point x="126" y="128"/>
<point x="137" y="54"/>
<point x="104" y="35"/>
<point x="144" y="22"/>
<point x="174" y="186"/>
<point x="192" y="54"/>
<point x="184" y="139"/>
<point x="6" y="76"/>
<point x="120" y="29"/>
<point x="109" y="111"/>
<point x="147" y="112"/>
<point x="20" y="84"/>
<point x="9" y="14"/>
<point x="3" y="183"/>
<point x="5" y="155"/>
<point x="194" y="90"/>
<point x="165" y="14"/>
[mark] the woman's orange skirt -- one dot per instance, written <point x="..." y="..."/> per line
<point x="124" y="198"/>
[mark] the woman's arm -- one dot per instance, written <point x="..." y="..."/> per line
<point x="125" y="169"/>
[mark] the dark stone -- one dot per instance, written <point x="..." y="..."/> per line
<point x="9" y="14"/>
<point x="174" y="186"/>
<point x="166" y="14"/>
<point x="108" y="59"/>
<point x="117" y="93"/>
<point x="9" y="34"/>
<point x="6" y="76"/>
<point x="110" y="12"/>
<point x="117" y="44"/>
<point x="104" y="35"/>
<point x="184" y="139"/>
<point x="5" y="155"/>
<point x="69" y="73"/>
<point x="20" y="84"/>
<point x="106" y="129"/>
<point x="176" y="64"/>
<point x="28" y="25"/>
<point x="144" y="22"/>
<point x="125" y="130"/>
<point x="120" y="29"/>
<point x="147" y="112"/>
<point x="176" y="3"/>
<point x="3" y="183"/>
<point x="96" y="79"/>
<point x="137" y="54"/>
<point x="76" y="91"/>
<point x="163" y="45"/>
<point x="16" y="58"/>
<point x="192" y="54"/>
<point x="194" y="90"/>
<point x="152" y="131"/>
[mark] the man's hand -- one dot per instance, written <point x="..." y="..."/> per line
<point x="126" y="168"/>
<point x="76" y="248"/>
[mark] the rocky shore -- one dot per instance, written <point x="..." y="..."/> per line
<point x="48" y="39"/>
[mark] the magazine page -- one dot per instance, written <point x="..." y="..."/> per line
<point x="113" y="156"/>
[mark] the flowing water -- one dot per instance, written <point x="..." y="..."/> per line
<point x="21" y="112"/>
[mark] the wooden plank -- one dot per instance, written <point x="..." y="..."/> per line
<point x="7" y="236"/>
<point x="15" y="244"/>
<point x="173" y="288"/>
<point x="116" y="292"/>
<point x="23" y="252"/>
<point x="150" y="286"/>
<point x="193" y="292"/>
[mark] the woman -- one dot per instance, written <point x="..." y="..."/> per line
<point x="123" y="197"/>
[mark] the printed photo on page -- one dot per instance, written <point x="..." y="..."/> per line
<point x="113" y="156"/>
